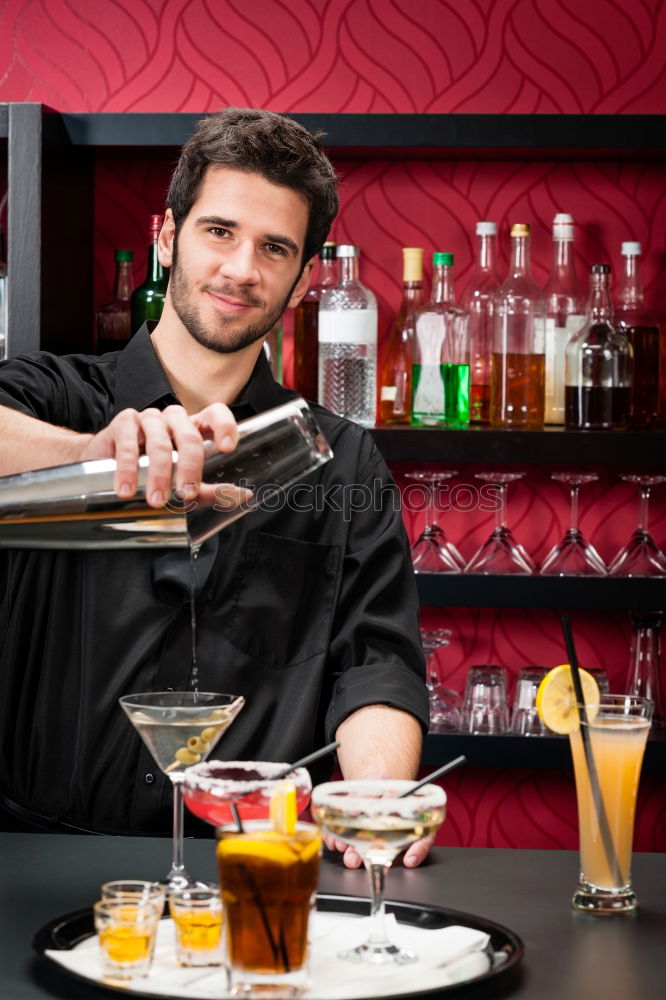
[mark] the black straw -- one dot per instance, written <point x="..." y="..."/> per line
<point x="595" y="788"/>
<point x="236" y="816"/>
<point x="444" y="769"/>
<point x="329" y="748"/>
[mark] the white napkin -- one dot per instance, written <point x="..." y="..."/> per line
<point x="446" y="956"/>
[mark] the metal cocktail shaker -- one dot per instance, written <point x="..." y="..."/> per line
<point x="75" y="506"/>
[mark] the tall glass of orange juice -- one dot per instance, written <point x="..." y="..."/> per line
<point x="617" y="730"/>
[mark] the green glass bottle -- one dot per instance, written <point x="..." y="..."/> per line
<point x="148" y="298"/>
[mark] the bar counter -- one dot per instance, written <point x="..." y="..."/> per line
<point x="566" y="955"/>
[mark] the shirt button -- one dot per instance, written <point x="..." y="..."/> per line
<point x="149" y="778"/>
<point x="168" y="689"/>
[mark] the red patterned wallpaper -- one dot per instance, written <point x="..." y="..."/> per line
<point x="377" y="56"/>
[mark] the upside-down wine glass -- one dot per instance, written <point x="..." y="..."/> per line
<point x="640" y="557"/>
<point x="180" y="728"/>
<point x="432" y="552"/>
<point x="444" y="703"/>
<point x="574" y="556"/>
<point x="501" y="553"/>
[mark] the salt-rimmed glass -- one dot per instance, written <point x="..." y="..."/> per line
<point x="209" y="788"/>
<point x="372" y="818"/>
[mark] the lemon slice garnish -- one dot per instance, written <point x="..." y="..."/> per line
<point x="556" y="699"/>
<point x="283" y="813"/>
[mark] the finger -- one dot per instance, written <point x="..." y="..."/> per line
<point x="418" y="852"/>
<point x="126" y="437"/>
<point x="217" y="423"/>
<point x="188" y="442"/>
<point x="158" y="446"/>
<point x="351" y="859"/>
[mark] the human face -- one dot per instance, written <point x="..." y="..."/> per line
<point x="236" y="258"/>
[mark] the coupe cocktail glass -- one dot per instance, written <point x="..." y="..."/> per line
<point x="372" y="818"/>
<point x="180" y="728"/>
<point x="432" y="552"/>
<point x="574" y="556"/>
<point x="501" y="553"/>
<point x="211" y="787"/>
<point x="640" y="557"/>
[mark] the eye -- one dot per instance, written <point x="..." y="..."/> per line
<point x="276" y="249"/>
<point x="218" y="231"/>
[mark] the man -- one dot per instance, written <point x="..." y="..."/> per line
<point x="310" y="613"/>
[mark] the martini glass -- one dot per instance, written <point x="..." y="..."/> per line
<point x="574" y="556"/>
<point x="501" y="553"/>
<point x="640" y="557"/>
<point x="444" y="703"/>
<point x="180" y="728"/>
<point x="378" y="819"/>
<point x="211" y="787"/>
<point x="432" y="552"/>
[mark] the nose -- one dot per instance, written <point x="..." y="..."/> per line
<point x="239" y="264"/>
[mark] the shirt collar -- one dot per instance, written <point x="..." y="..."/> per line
<point x="141" y="381"/>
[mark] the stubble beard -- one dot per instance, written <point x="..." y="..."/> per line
<point x="220" y="337"/>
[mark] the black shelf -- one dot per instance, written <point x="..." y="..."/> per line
<point x="492" y="445"/>
<point x="528" y="752"/>
<point x="556" y="592"/>
<point x="562" y="136"/>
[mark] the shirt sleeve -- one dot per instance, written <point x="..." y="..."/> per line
<point x="52" y="388"/>
<point x="375" y="652"/>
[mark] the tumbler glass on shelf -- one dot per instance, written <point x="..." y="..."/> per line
<point x="641" y="556"/>
<point x="484" y="708"/>
<point x="445" y="703"/>
<point x="501" y="553"/>
<point x="525" y="720"/>
<point x="432" y="552"/>
<point x="574" y="556"/>
<point x="180" y="728"/>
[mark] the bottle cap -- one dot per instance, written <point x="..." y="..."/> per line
<point x="520" y="229"/>
<point x="124" y="255"/>
<point x="155" y="224"/>
<point x="327" y="252"/>
<point x="412" y="264"/>
<point x="486" y="229"/>
<point x="563" y="226"/>
<point x="600" y="269"/>
<point x="442" y="259"/>
<point x="631" y="249"/>
<point x="345" y="250"/>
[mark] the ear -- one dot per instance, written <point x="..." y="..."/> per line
<point x="165" y="240"/>
<point x="301" y="286"/>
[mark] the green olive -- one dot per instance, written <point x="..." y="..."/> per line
<point x="186" y="756"/>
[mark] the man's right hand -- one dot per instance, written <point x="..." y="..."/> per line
<point x="157" y="433"/>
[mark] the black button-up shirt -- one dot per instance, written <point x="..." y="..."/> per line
<point x="309" y="611"/>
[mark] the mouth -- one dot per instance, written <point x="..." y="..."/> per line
<point x="229" y="304"/>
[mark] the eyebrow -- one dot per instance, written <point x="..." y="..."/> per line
<point x="216" y="220"/>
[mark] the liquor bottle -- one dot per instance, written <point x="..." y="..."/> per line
<point x="478" y="299"/>
<point x="517" y="376"/>
<point x="348" y="344"/>
<point x="395" y="384"/>
<point x="273" y="350"/>
<point x="306" y="318"/>
<point x="565" y="314"/>
<point x="440" y="373"/>
<point x="643" y="332"/>
<point x="598" y="364"/>
<point x="114" y="326"/>
<point x="3" y="297"/>
<point x="148" y="299"/>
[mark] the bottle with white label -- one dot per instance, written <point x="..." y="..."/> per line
<point x="348" y="344"/>
<point x="565" y="315"/>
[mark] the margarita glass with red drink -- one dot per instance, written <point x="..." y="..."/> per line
<point x="210" y="788"/>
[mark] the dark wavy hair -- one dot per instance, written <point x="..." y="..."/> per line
<point x="262" y="142"/>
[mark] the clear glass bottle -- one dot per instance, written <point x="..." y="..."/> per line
<point x="395" y="384"/>
<point x="478" y="299"/>
<point x="306" y="324"/>
<point x="644" y="679"/>
<point x="565" y="314"/>
<point x="632" y="317"/>
<point x="598" y="364"/>
<point x="517" y="376"/>
<point x="440" y="373"/>
<point x="348" y="344"/>
<point x="148" y="299"/>
<point x="114" y="325"/>
<point x="273" y="350"/>
<point x="3" y="297"/>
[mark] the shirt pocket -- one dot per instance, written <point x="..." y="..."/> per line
<point x="284" y="599"/>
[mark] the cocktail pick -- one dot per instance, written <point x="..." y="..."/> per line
<point x="595" y="788"/>
<point x="444" y="769"/>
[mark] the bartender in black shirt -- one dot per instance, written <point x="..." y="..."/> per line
<point x="309" y="610"/>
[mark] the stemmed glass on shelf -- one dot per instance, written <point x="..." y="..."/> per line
<point x="444" y="703"/>
<point x="573" y="556"/>
<point x="432" y="552"/>
<point x="641" y="556"/>
<point x="501" y="553"/>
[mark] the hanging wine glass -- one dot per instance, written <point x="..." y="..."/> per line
<point x="432" y="552"/>
<point x="501" y="553"/>
<point x="640" y="557"/>
<point x="444" y="703"/>
<point x="574" y="556"/>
